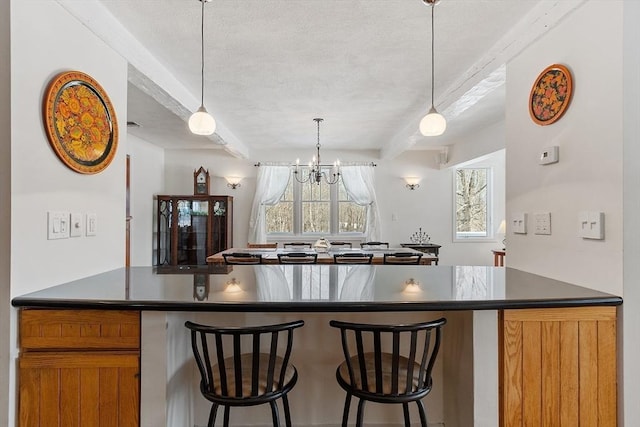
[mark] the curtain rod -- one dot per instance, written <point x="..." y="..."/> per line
<point x="372" y="164"/>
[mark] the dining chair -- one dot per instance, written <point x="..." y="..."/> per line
<point x="298" y="258"/>
<point x="387" y="364"/>
<point x="339" y="245"/>
<point x="242" y="258"/>
<point x="262" y="245"/>
<point x="374" y="245"/>
<point x="405" y="258"/>
<point x="352" y="258"/>
<point x="245" y="366"/>
<point x="297" y="245"/>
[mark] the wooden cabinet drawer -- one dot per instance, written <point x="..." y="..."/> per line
<point x="79" y="329"/>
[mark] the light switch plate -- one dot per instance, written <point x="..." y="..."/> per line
<point x="591" y="225"/>
<point x="75" y="229"/>
<point x="57" y="225"/>
<point x="519" y="223"/>
<point x="91" y="224"/>
<point x="542" y="223"/>
<point x="549" y="155"/>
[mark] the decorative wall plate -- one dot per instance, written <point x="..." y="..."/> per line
<point x="80" y="122"/>
<point x="550" y="94"/>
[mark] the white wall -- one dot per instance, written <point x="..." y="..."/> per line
<point x="5" y="210"/>
<point x="40" y="182"/>
<point x="147" y="180"/>
<point x="588" y="176"/>
<point x="629" y="374"/>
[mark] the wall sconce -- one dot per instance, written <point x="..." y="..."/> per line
<point x="413" y="182"/>
<point x="412" y="286"/>
<point x="233" y="287"/>
<point x="233" y="182"/>
<point x="502" y="231"/>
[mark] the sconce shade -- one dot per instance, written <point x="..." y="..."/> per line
<point x="412" y="182"/>
<point x="201" y="122"/>
<point x="233" y="182"/>
<point x="433" y="124"/>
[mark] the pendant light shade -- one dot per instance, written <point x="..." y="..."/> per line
<point x="201" y="122"/>
<point x="434" y="123"/>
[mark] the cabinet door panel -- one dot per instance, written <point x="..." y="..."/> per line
<point x="79" y="389"/>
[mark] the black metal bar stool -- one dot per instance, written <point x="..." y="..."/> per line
<point x="375" y="370"/>
<point x="245" y="366"/>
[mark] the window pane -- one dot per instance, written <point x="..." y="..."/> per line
<point x="352" y="217"/>
<point x="471" y="203"/>
<point x="279" y="218"/>
<point x="315" y="217"/>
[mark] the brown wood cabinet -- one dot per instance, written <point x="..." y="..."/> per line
<point x="558" y="367"/>
<point x="190" y="228"/>
<point x="79" y="368"/>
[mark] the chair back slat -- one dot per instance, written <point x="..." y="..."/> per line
<point x="272" y="361"/>
<point x="412" y="360"/>
<point x="395" y="363"/>
<point x="255" y="364"/>
<point x="237" y="364"/>
<point x="222" y="369"/>
<point x="423" y="381"/>
<point x="377" y="357"/>
<point x="361" y="361"/>
<point x="287" y="354"/>
<point x="374" y="245"/>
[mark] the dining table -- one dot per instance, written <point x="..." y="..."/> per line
<point x="270" y="255"/>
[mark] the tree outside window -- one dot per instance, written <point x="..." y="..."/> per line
<point x="472" y="201"/>
<point x="315" y="209"/>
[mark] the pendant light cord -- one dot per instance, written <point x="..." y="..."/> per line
<point x="433" y="6"/>
<point x="202" y="55"/>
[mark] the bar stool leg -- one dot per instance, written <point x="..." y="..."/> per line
<point x="345" y="413"/>
<point x="226" y="417"/>
<point x="360" y="412"/>
<point x="274" y="413"/>
<point x="407" y="418"/>
<point x="212" y="415"/>
<point x="423" y="416"/>
<point x="287" y="415"/>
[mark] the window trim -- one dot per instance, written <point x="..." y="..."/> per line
<point x="472" y="237"/>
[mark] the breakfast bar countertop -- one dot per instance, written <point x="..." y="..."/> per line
<point x="317" y="288"/>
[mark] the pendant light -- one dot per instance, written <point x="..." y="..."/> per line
<point x="434" y="123"/>
<point x="201" y="122"/>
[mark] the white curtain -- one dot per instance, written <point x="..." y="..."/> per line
<point x="270" y="186"/>
<point x="359" y="184"/>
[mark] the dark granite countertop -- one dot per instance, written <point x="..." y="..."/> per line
<point x="317" y="288"/>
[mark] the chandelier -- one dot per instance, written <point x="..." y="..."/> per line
<point x="317" y="171"/>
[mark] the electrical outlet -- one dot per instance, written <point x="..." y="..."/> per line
<point x="591" y="225"/>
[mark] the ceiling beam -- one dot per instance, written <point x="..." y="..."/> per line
<point x="485" y="74"/>
<point x="145" y="71"/>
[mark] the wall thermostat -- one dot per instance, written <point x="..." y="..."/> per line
<point x="549" y="155"/>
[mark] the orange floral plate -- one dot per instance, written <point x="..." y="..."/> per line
<point x="80" y="122"/>
<point x="550" y="94"/>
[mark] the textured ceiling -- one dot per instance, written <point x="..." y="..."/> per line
<point x="274" y="65"/>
